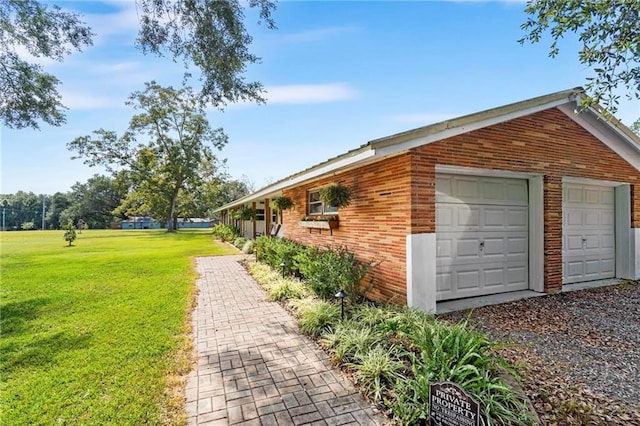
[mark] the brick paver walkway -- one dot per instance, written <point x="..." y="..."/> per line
<point x="254" y="366"/>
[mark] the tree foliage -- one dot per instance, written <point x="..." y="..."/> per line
<point x="28" y="93"/>
<point x="208" y="36"/>
<point x="610" y="37"/>
<point x="635" y="127"/>
<point x="70" y="232"/>
<point x="163" y="151"/>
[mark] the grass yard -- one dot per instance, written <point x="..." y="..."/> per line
<point x="96" y="333"/>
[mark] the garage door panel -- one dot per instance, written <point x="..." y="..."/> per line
<point x="573" y="218"/>
<point x="481" y="190"/>
<point x="588" y="233"/>
<point x="467" y="248"/>
<point x="494" y="277"/>
<point x="467" y="218"/>
<point x="483" y="223"/>
<point x="517" y="245"/>
<point x="592" y="196"/>
<point x="608" y="265"/>
<point x="467" y="279"/>
<point x="445" y="217"/>
<point x="517" y="276"/>
<point x="518" y="218"/>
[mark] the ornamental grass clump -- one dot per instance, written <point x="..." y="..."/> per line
<point x="315" y="316"/>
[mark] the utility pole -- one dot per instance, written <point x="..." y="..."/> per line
<point x="3" y="224"/>
<point x="44" y="197"/>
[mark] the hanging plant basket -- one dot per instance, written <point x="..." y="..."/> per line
<point x="282" y="203"/>
<point x="246" y="213"/>
<point x="336" y="195"/>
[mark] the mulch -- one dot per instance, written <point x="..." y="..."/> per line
<point x="577" y="353"/>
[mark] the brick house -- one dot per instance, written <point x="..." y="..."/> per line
<point x="530" y="195"/>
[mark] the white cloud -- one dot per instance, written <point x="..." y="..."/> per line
<point x="318" y="34"/>
<point x="86" y="101"/>
<point x="123" y="21"/>
<point x="423" y="118"/>
<point x="309" y="93"/>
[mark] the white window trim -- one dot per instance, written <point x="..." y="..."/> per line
<point x="320" y="202"/>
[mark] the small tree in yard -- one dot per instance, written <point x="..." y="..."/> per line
<point x="70" y="232"/>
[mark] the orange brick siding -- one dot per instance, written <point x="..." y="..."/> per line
<point x="396" y="196"/>
<point x="374" y="226"/>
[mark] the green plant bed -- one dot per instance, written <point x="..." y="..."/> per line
<point x="395" y="353"/>
<point x="92" y="333"/>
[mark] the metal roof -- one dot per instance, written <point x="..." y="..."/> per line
<point x="378" y="149"/>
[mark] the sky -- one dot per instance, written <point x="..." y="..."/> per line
<point x="337" y="74"/>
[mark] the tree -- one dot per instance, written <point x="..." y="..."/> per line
<point x="22" y="207"/>
<point x="207" y="34"/>
<point x="28" y="93"/>
<point x="635" y="127"/>
<point x="70" y="232"/>
<point x="610" y="37"/>
<point x="58" y="203"/>
<point x="163" y="149"/>
<point x="94" y="201"/>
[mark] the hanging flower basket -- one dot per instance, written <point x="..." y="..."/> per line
<point x="246" y="213"/>
<point x="282" y="203"/>
<point x="336" y="195"/>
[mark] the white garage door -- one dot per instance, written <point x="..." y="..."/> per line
<point x="481" y="236"/>
<point x="588" y="243"/>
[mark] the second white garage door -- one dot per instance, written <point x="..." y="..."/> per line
<point x="588" y="244"/>
<point x="481" y="235"/>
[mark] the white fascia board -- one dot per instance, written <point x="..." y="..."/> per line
<point x="599" y="127"/>
<point x="334" y="166"/>
<point x="455" y="130"/>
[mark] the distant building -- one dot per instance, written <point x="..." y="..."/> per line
<point x="195" y="222"/>
<point x="141" y="222"/>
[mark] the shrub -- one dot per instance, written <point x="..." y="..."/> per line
<point x="248" y="246"/>
<point x="274" y="251"/>
<point x="330" y="270"/>
<point x="28" y="226"/>
<point x="225" y="232"/>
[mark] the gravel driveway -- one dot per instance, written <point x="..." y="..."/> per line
<point x="578" y="352"/>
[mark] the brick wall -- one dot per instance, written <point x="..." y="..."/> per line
<point x="374" y="226"/>
<point x="547" y="143"/>
<point x="396" y="196"/>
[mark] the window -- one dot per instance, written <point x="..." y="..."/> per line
<point x="316" y="206"/>
<point x="259" y="214"/>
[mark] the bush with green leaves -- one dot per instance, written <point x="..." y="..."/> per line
<point x="225" y="232"/>
<point x="28" y="226"/>
<point x="330" y="270"/>
<point x="275" y="251"/>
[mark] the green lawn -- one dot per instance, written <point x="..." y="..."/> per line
<point x="92" y="333"/>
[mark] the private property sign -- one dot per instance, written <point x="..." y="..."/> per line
<point x="450" y="405"/>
